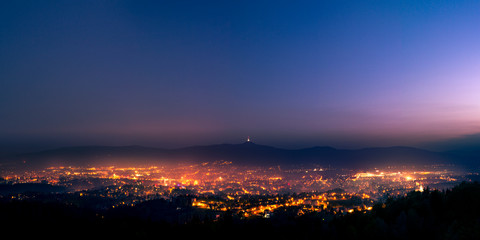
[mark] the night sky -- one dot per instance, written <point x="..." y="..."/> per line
<point x="292" y="74"/>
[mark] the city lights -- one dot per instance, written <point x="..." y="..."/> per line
<point x="248" y="191"/>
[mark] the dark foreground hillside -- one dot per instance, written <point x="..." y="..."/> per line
<point x="454" y="214"/>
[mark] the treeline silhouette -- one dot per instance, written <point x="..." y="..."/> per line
<point x="450" y="214"/>
<point x="431" y="214"/>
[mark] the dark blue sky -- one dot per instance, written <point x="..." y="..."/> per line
<point x="287" y="73"/>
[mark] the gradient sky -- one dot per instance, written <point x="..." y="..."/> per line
<point x="288" y="73"/>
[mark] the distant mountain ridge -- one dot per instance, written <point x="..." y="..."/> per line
<point x="247" y="153"/>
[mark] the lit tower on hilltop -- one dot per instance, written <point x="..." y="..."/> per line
<point x="249" y="141"/>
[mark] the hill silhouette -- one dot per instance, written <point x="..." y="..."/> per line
<point x="247" y="153"/>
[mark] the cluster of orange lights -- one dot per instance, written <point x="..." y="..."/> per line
<point x="313" y="203"/>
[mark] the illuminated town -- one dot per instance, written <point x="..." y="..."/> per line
<point x="220" y="187"/>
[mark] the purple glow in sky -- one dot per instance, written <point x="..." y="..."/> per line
<point x="175" y="73"/>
